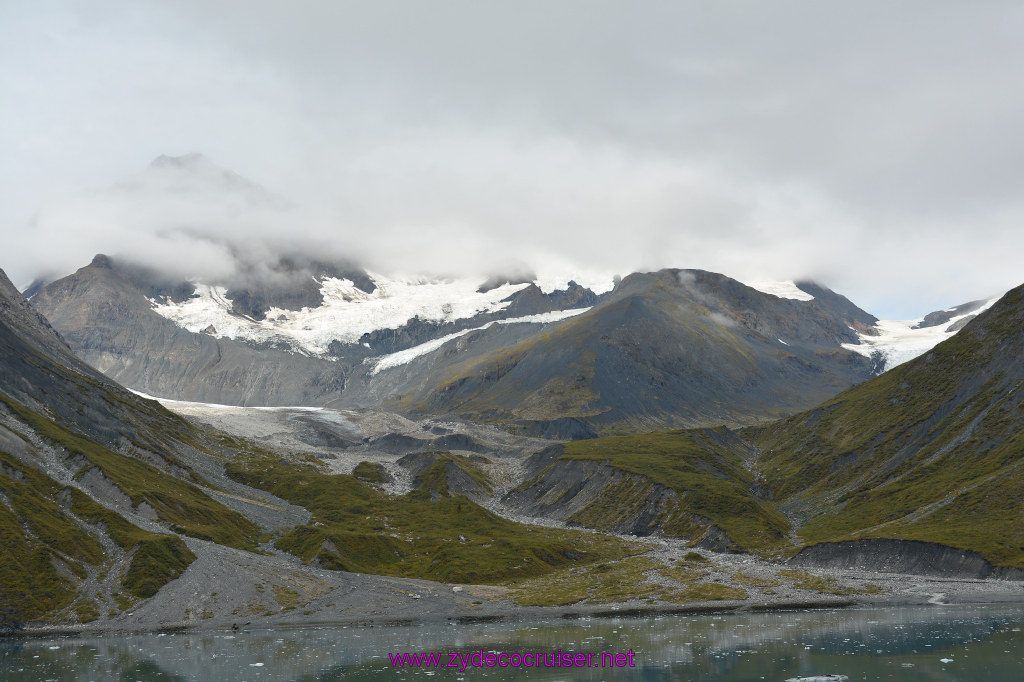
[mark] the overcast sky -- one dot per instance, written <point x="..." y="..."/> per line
<point x="877" y="147"/>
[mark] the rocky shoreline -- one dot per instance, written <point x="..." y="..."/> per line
<point x="229" y="589"/>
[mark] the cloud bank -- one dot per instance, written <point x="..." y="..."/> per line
<point x="873" y="146"/>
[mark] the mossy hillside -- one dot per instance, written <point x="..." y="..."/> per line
<point x="182" y="504"/>
<point x="436" y="478"/>
<point x="710" y="480"/>
<point x="931" y="450"/>
<point x="157" y="560"/>
<point x="370" y="472"/>
<point x="36" y="534"/>
<point x="357" y="528"/>
<point x="41" y="526"/>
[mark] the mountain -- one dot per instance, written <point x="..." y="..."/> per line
<point x="665" y="349"/>
<point x="193" y="342"/>
<point x="917" y="470"/>
<point x="931" y="450"/>
<point x="114" y="509"/>
<point x="92" y="477"/>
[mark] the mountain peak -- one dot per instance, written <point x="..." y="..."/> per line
<point x="192" y="160"/>
<point x="101" y="261"/>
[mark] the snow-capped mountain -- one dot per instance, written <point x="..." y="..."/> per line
<point x="347" y="312"/>
<point x="559" y="353"/>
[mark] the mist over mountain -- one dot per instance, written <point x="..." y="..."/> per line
<point x="186" y="218"/>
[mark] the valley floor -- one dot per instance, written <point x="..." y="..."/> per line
<point x="227" y="588"/>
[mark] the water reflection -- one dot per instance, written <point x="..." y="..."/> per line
<point x="926" y="643"/>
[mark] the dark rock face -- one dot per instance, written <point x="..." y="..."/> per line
<point x="565" y="428"/>
<point x="292" y="284"/>
<point x="569" y="487"/>
<point x="902" y="556"/>
<point x="938" y="317"/>
<point x="574" y="296"/>
<point x="839" y="306"/>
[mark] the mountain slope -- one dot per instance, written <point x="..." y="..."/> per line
<point x="104" y="314"/>
<point x="293" y="339"/>
<point x="931" y="450"/>
<point x="916" y="470"/>
<point x="106" y="497"/>
<point x="91" y="479"/>
<point x="671" y="348"/>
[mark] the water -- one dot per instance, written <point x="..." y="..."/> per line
<point x="922" y="643"/>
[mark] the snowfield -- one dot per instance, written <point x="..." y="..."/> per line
<point x="349" y="312"/>
<point x="786" y="289"/>
<point x="346" y="314"/>
<point x="899" y="342"/>
<point x="403" y="357"/>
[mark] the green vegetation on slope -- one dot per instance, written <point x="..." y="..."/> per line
<point x="159" y="558"/>
<point x="710" y="479"/>
<point x="41" y="529"/>
<point x="357" y="528"/>
<point x="640" y="577"/>
<point x="931" y="450"/>
<point x="436" y="479"/>
<point x="182" y="504"/>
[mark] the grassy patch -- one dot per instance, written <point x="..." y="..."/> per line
<point x="802" y="580"/>
<point x="705" y="592"/>
<point x="358" y="528"/>
<point x="36" y="534"/>
<point x="157" y="561"/>
<point x="748" y="580"/>
<point x="710" y="480"/>
<point x="599" y="583"/>
<point x="370" y="472"/>
<point x="182" y="504"/>
<point x="159" y="558"/>
<point x="685" y="571"/>
<point x="286" y="597"/>
<point x="87" y="611"/>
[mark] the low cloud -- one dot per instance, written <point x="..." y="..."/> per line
<point x="873" y="146"/>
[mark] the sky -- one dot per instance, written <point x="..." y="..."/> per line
<point x="873" y="146"/>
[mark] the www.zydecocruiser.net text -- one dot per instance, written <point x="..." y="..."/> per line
<point x="461" y="660"/>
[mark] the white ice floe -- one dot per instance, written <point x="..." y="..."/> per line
<point x="403" y="357"/>
<point x="899" y="342"/>
<point x="786" y="289"/>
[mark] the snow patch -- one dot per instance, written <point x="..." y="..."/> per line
<point x="899" y="342"/>
<point x="406" y="356"/>
<point x="787" y="289"/>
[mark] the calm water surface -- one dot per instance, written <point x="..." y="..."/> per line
<point x="934" y="643"/>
